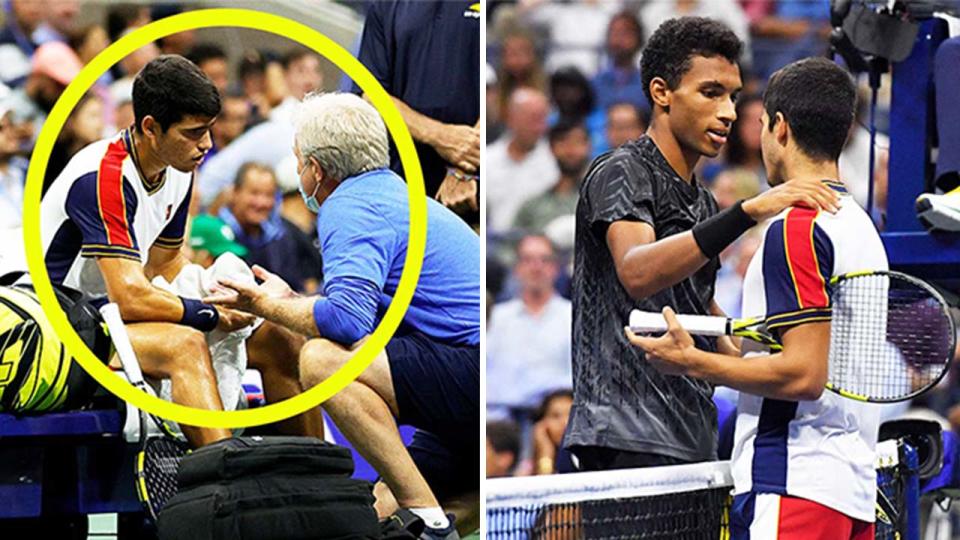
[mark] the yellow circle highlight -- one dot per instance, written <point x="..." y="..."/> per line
<point x="242" y="18"/>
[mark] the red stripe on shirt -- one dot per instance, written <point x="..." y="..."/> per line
<point x="810" y="286"/>
<point x="113" y="207"/>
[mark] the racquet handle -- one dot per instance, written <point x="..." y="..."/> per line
<point x="646" y="322"/>
<point x="121" y="342"/>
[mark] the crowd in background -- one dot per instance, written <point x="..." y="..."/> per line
<point x="564" y="86"/>
<point x="247" y="186"/>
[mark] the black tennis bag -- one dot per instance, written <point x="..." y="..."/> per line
<point x="269" y="488"/>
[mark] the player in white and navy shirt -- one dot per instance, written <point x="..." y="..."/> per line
<point x="114" y="218"/>
<point x="803" y="459"/>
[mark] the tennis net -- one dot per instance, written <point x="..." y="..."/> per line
<point x="683" y="502"/>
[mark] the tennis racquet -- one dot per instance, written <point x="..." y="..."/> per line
<point x="159" y="457"/>
<point x="891" y="335"/>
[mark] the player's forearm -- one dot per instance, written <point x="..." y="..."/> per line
<point x="776" y="376"/>
<point x="293" y="313"/>
<point x="422" y="128"/>
<point x="649" y="268"/>
<point x="146" y="303"/>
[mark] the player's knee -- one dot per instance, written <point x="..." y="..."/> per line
<point x="189" y="347"/>
<point x="319" y="359"/>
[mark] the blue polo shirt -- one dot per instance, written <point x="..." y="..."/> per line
<point x="426" y="54"/>
<point x="362" y="228"/>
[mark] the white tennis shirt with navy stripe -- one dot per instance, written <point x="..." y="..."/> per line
<point x="101" y="206"/>
<point x="819" y="450"/>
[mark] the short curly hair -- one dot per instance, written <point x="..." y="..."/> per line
<point x="675" y="42"/>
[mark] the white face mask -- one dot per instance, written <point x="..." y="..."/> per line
<point x="310" y="200"/>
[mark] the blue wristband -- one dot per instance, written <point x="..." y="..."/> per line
<point x="196" y="314"/>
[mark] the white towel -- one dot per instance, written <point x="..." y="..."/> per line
<point x="228" y="350"/>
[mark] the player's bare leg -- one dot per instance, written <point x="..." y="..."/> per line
<point x="275" y="351"/>
<point x="175" y="352"/>
<point x="364" y="412"/>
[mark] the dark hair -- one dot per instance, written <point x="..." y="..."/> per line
<point x="818" y="100"/>
<point x="736" y="152"/>
<point x="202" y="52"/>
<point x="570" y="76"/>
<point x="563" y="127"/>
<point x="252" y="63"/>
<point x="294" y="55"/>
<point x="170" y="87"/>
<point x="673" y="45"/>
<point x="504" y="436"/>
<point x="548" y="399"/>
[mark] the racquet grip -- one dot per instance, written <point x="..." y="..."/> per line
<point x="121" y="342"/>
<point x="645" y="322"/>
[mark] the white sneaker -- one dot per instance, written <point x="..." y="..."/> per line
<point x="940" y="212"/>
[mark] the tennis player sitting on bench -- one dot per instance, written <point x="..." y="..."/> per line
<point x="803" y="459"/>
<point x="115" y="218"/>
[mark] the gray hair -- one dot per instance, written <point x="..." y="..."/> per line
<point x="344" y="133"/>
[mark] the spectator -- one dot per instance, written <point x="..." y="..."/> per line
<point x="519" y="65"/>
<point x="426" y="55"/>
<point x="211" y="237"/>
<point x="231" y="122"/>
<point x="620" y="82"/>
<point x="519" y="164"/>
<point x="212" y="60"/>
<point x="13" y="172"/>
<point x="84" y="126"/>
<point x="273" y="242"/>
<point x="571" y="94"/>
<point x="53" y="66"/>
<point x="494" y="117"/>
<point x="59" y="22"/>
<point x="88" y="42"/>
<point x="301" y="69"/>
<point x="625" y="123"/>
<point x="575" y="30"/>
<point x="121" y="91"/>
<point x="742" y="164"/>
<point x="529" y="337"/>
<point x="550" y="422"/>
<point x="786" y="31"/>
<point x="503" y="448"/>
<point x="16" y="45"/>
<point x="571" y="149"/>
<point x="268" y="143"/>
<point x="251" y="74"/>
<point x="727" y="12"/>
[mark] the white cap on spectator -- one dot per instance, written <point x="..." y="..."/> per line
<point x="491" y="75"/>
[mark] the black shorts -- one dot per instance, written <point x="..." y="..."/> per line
<point x="438" y="392"/>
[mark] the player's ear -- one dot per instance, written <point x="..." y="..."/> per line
<point x="317" y="169"/>
<point x="781" y="129"/>
<point x="149" y="126"/>
<point x="660" y="93"/>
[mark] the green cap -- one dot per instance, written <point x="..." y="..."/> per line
<point x="211" y="234"/>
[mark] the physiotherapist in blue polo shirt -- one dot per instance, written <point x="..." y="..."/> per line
<point x="429" y="374"/>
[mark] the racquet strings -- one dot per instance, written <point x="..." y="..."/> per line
<point x="891" y="337"/>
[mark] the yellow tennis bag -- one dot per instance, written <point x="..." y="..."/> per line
<point x="37" y="375"/>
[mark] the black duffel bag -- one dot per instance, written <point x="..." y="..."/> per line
<point x="269" y="488"/>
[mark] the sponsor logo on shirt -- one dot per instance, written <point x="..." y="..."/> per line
<point x="472" y="12"/>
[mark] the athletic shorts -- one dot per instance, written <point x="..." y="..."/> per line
<point x="438" y="392"/>
<point x="758" y="516"/>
